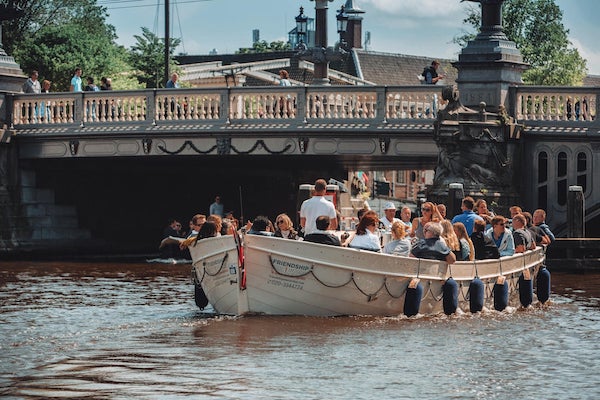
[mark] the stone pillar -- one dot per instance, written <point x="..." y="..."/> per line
<point x="320" y="51"/>
<point x="455" y="196"/>
<point x="354" y="28"/>
<point x="575" y="212"/>
<point x="490" y="63"/>
<point x="11" y="75"/>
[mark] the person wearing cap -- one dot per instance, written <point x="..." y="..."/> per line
<point x="389" y="217"/>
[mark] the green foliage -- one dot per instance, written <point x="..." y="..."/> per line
<point x="263" y="47"/>
<point x="537" y="29"/>
<point x="58" y="36"/>
<point x="147" y="58"/>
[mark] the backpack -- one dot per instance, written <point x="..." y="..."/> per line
<point x="425" y="71"/>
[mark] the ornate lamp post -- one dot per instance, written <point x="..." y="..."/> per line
<point x="342" y="25"/>
<point x="11" y="75"/>
<point x="301" y="28"/>
<point x="319" y="55"/>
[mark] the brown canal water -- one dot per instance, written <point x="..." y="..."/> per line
<point x="132" y="331"/>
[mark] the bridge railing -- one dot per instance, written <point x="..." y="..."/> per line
<point x="551" y="103"/>
<point x="307" y="104"/>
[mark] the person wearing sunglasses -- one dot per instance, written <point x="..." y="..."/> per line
<point x="284" y="228"/>
<point x="501" y="236"/>
<point x="429" y="214"/>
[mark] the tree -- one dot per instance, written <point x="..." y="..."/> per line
<point x="147" y="58"/>
<point x="58" y="36"/>
<point x="263" y="47"/>
<point x="537" y="29"/>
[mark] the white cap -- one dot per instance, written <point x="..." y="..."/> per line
<point x="389" y="206"/>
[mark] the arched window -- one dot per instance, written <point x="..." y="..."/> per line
<point x="582" y="170"/>
<point x="542" y="192"/>
<point x="561" y="178"/>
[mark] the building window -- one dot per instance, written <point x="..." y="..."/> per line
<point x="582" y="171"/>
<point x="543" y="180"/>
<point x="401" y="177"/>
<point x="561" y="177"/>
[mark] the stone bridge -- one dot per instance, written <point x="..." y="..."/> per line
<point x="309" y="130"/>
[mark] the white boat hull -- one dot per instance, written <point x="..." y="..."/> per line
<point x="288" y="277"/>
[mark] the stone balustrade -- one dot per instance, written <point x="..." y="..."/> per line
<point x="548" y="103"/>
<point x="306" y="104"/>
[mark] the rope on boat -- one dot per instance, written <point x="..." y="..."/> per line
<point x="370" y="297"/>
<point x="327" y="285"/>
<point x="220" y="267"/>
<point x="387" y="289"/>
<point x="433" y="296"/>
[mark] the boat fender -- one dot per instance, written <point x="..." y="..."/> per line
<point x="543" y="285"/>
<point x="450" y="293"/>
<point x="412" y="300"/>
<point x="500" y="294"/>
<point x="476" y="295"/>
<point x="525" y="288"/>
<point x="200" y="297"/>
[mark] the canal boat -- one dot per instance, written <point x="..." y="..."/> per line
<point x="258" y="274"/>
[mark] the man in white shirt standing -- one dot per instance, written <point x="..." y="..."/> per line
<point x="389" y="215"/>
<point x="316" y="206"/>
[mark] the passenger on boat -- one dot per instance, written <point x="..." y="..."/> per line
<point x="467" y="251"/>
<point x="429" y="214"/>
<point x="442" y="210"/>
<point x="208" y="229"/>
<point x="315" y="206"/>
<point x="539" y="219"/>
<point x="217" y="208"/>
<point x="501" y="236"/>
<point x="450" y="238"/>
<point x="405" y="216"/>
<point x="389" y="217"/>
<point x="468" y="216"/>
<point x="481" y="209"/>
<point x="485" y="248"/>
<point x="196" y="223"/>
<point x="171" y="250"/>
<point x="259" y="226"/>
<point x="514" y="210"/>
<point x="218" y="222"/>
<point x="400" y="244"/>
<point x="285" y="227"/>
<point x="522" y="237"/>
<point x="431" y="247"/>
<point x="365" y="237"/>
<point x="227" y="227"/>
<point x="538" y="236"/>
<point x="322" y="234"/>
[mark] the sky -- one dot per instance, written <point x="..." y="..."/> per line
<point x="412" y="27"/>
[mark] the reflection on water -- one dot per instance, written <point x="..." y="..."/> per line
<point x="133" y="331"/>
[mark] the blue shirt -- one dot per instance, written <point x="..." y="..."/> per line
<point x="76" y="83"/>
<point x="468" y="218"/>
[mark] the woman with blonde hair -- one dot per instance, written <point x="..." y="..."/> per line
<point x="284" y="228"/>
<point x="429" y="213"/>
<point x="400" y="244"/>
<point x="450" y="237"/>
<point x="467" y="250"/>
